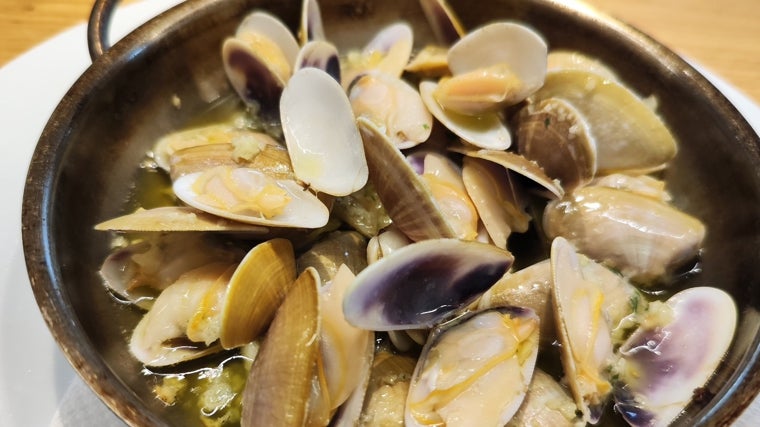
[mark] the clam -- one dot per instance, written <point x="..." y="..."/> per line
<point x="160" y="338"/>
<point x="484" y="131"/>
<point x="659" y="373"/>
<point x="385" y="243"/>
<point x="394" y="105"/>
<point x="643" y="238"/>
<point x="322" y="55"/>
<point x="255" y="291"/>
<point x="421" y="284"/>
<point x="404" y="195"/>
<point x="214" y="306"/>
<point x="252" y="149"/>
<point x="250" y="196"/>
<point x="232" y="142"/>
<point x="259" y="60"/>
<point x="279" y="383"/>
<point x="530" y="288"/>
<point x="220" y="133"/>
<point x="346" y="351"/>
<point x="262" y="24"/>
<point x="388" y="52"/>
<point x="349" y="414"/>
<point x="494" y="66"/>
<point x="444" y="180"/>
<point x="475" y="370"/>
<point x="488" y="186"/>
<point x="138" y="271"/>
<point x="517" y="165"/>
<point x="547" y="404"/>
<point x="629" y="135"/>
<point x="176" y="218"/>
<point x="583" y="329"/>
<point x="554" y="135"/>
<point x="322" y="138"/>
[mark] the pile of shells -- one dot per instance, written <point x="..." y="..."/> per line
<point x="351" y="225"/>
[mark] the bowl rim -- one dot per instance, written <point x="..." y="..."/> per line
<point x="41" y="178"/>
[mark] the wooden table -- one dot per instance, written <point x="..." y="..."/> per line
<point x="723" y="36"/>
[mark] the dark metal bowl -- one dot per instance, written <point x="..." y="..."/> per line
<point x="85" y="164"/>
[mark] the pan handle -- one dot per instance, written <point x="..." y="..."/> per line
<point x="98" y="27"/>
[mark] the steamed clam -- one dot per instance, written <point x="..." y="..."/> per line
<point x="657" y="375"/>
<point x="436" y="273"/>
<point x="474" y="371"/>
<point x="644" y="238"/>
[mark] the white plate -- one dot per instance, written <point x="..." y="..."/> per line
<point x="37" y="385"/>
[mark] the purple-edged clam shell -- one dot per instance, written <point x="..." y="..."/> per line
<point x="670" y="362"/>
<point x="320" y="54"/>
<point x="419" y="285"/>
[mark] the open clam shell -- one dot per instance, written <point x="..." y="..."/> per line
<point x="160" y="338"/>
<point x="529" y="287"/>
<point x="252" y="76"/>
<point x="658" y="376"/>
<point x="419" y="285"/>
<point x="176" y="218"/>
<point x="320" y="131"/>
<point x="388" y="388"/>
<point x="629" y="135"/>
<point x="138" y="271"/>
<point x="554" y="134"/>
<point x="322" y="55"/>
<point x="407" y="200"/>
<point x="489" y="188"/>
<point x="483" y="131"/>
<point x="334" y="250"/>
<point x="267" y="25"/>
<point x="559" y="60"/>
<point x="256" y="290"/>
<point x="340" y="341"/>
<point x="474" y="370"/>
<point x="519" y="165"/>
<point x="388" y="52"/>
<point x="522" y="50"/>
<point x="394" y="105"/>
<point x="583" y="329"/>
<point x="443" y="177"/>
<point x="279" y="384"/>
<point x="249" y="196"/>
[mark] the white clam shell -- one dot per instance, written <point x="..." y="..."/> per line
<point x="485" y="131"/>
<point x="583" y="330"/>
<point x="394" y="105"/>
<point x="268" y="25"/>
<point x="303" y="211"/>
<point x="474" y="371"/>
<point x="516" y="45"/>
<point x="320" y="131"/>
<point x="665" y="373"/>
